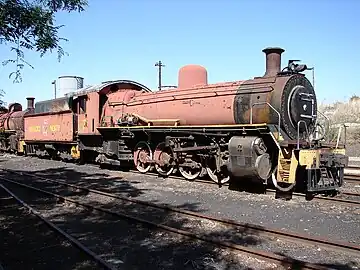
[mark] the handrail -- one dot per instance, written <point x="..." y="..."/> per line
<point x="298" y="133"/>
<point x="338" y="138"/>
<point x="328" y="123"/>
<point x="267" y="103"/>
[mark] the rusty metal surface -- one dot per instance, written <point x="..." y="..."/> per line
<point x="202" y="105"/>
<point x="14" y="118"/>
<point x="54" y="127"/>
<point x="89" y="120"/>
<point x="191" y="76"/>
<point x="53" y="105"/>
<point x="190" y="105"/>
<point x="195" y="102"/>
<point x="12" y="121"/>
<point x="273" y="98"/>
<point x="273" y="61"/>
<point x="3" y="118"/>
<point x="30" y="103"/>
<point x="15" y="121"/>
<point x="209" y="104"/>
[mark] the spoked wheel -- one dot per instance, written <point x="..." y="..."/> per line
<point x="285" y="187"/>
<point x="218" y="177"/>
<point x="142" y="155"/>
<point x="191" y="173"/>
<point x="165" y="156"/>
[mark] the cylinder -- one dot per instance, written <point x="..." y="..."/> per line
<point x="248" y="158"/>
<point x="273" y="61"/>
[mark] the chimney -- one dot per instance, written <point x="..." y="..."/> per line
<point x="273" y="61"/>
<point x="30" y="103"/>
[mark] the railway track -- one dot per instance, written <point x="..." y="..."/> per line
<point x="100" y="262"/>
<point x="349" y="199"/>
<point x="352" y="175"/>
<point x="352" y="179"/>
<point x="263" y="231"/>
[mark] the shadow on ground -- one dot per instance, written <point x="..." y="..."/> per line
<point x="125" y="243"/>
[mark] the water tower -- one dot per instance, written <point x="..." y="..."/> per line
<point x="66" y="84"/>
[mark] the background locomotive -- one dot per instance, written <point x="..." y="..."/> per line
<point x="257" y="129"/>
<point x="12" y="126"/>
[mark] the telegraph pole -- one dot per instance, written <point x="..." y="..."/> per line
<point x="160" y="65"/>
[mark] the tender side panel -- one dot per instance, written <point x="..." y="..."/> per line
<point x="49" y="127"/>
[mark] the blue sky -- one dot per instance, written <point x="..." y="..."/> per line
<point x="123" y="40"/>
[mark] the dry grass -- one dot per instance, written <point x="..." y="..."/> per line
<point x="347" y="113"/>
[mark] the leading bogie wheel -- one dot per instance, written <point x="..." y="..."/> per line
<point x="285" y="187"/>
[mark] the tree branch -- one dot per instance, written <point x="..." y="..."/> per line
<point x="30" y="25"/>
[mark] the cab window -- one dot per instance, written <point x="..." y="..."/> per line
<point x="82" y="105"/>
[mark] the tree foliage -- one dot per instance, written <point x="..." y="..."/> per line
<point x="2" y="102"/>
<point x="354" y="98"/>
<point x="26" y="24"/>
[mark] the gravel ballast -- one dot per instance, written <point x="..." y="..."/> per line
<point x="28" y="243"/>
<point x="130" y="245"/>
<point x="316" y="218"/>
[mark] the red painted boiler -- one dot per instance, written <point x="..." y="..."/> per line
<point x="266" y="99"/>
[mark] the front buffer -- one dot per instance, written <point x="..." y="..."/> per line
<point x="314" y="171"/>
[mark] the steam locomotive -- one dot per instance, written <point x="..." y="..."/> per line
<point x="262" y="129"/>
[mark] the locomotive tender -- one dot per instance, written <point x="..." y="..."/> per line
<point x="259" y="129"/>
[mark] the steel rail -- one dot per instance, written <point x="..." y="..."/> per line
<point x="343" y="201"/>
<point x="295" y="237"/>
<point x="334" y="199"/>
<point x="351" y="194"/>
<point x="353" y="179"/>
<point x="348" y="178"/>
<point x="55" y="228"/>
<point x="269" y="256"/>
